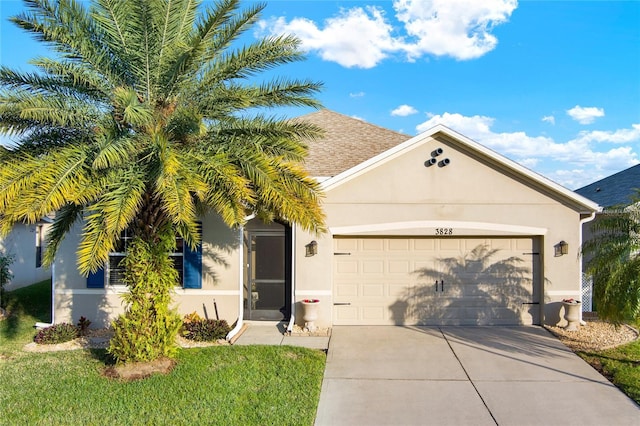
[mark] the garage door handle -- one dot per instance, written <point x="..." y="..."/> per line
<point x="341" y="304"/>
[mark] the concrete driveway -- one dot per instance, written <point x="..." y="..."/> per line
<point x="463" y="376"/>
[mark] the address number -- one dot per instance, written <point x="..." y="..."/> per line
<point x="444" y="231"/>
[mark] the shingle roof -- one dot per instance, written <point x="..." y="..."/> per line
<point x="347" y="142"/>
<point x="614" y="190"/>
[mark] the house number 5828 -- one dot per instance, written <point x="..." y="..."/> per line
<point x="444" y="231"/>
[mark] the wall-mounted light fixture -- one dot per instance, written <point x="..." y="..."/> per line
<point x="444" y="162"/>
<point x="430" y="162"/>
<point x="561" y="248"/>
<point x="436" y="152"/>
<point x="311" y="249"/>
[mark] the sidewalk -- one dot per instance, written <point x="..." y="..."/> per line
<point x="273" y="333"/>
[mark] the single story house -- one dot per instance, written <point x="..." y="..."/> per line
<point x="25" y="245"/>
<point x="434" y="229"/>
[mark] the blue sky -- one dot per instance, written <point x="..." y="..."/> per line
<point x="553" y="85"/>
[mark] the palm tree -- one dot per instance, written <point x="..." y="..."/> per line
<point x="614" y="262"/>
<point x="150" y="116"/>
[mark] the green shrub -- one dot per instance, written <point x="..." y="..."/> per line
<point x="5" y="275"/>
<point x="205" y="330"/>
<point x="148" y="328"/>
<point x="57" y="333"/>
<point x="83" y="326"/>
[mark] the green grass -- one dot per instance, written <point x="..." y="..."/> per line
<point x="26" y="306"/>
<point x="226" y="385"/>
<point x="621" y="365"/>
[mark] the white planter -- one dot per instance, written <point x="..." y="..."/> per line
<point x="572" y="315"/>
<point x="310" y="313"/>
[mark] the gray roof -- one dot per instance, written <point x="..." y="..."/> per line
<point x="347" y="142"/>
<point x="614" y="190"/>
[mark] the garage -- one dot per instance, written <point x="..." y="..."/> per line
<point x="435" y="281"/>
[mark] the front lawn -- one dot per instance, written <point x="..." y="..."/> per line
<point x="621" y="365"/>
<point x="227" y="385"/>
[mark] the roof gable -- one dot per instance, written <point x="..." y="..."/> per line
<point x="488" y="156"/>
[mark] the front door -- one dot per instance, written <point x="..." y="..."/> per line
<point x="268" y="273"/>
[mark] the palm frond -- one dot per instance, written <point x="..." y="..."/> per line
<point x="65" y="218"/>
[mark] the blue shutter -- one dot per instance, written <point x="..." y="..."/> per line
<point x="192" y="267"/>
<point x="96" y="279"/>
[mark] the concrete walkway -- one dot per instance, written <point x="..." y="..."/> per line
<point x="463" y="376"/>
<point x="273" y="333"/>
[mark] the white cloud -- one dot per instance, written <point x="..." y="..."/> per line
<point x="460" y="29"/>
<point x="404" y="110"/>
<point x="585" y="115"/>
<point x="356" y="95"/>
<point x="336" y="42"/>
<point x="472" y="127"/>
<point x="574" y="163"/>
<point x="457" y="28"/>
<point x="617" y="136"/>
<point x="549" y="119"/>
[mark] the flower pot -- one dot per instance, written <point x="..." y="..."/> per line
<point x="572" y="314"/>
<point x="310" y="313"/>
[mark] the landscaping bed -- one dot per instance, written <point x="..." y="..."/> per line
<point x="595" y="335"/>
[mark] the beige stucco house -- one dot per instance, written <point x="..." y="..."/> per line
<point x="434" y="229"/>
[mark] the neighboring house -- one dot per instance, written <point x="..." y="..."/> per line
<point x="434" y="229"/>
<point x="615" y="190"/>
<point x="25" y="244"/>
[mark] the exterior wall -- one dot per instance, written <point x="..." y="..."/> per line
<point x="472" y="196"/>
<point x="219" y="292"/>
<point x="469" y="196"/>
<point x="21" y="244"/>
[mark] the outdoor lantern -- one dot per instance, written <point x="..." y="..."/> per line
<point x="561" y="248"/>
<point x="311" y="249"/>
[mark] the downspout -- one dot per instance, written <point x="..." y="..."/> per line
<point x="292" y="319"/>
<point x="53" y="299"/>
<point x="582" y="222"/>
<point x="239" y="322"/>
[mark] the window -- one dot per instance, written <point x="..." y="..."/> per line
<point x="188" y="263"/>
<point x="115" y="272"/>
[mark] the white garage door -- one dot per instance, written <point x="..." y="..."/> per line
<point x="434" y="281"/>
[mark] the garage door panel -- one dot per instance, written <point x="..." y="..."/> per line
<point x="399" y="244"/>
<point x="399" y="267"/>
<point x="373" y="290"/>
<point x="393" y="281"/>
<point x="348" y="290"/>
<point x="372" y="245"/>
<point x="348" y="266"/>
<point x="347" y="315"/>
<point x="375" y="266"/>
<point x="424" y="244"/>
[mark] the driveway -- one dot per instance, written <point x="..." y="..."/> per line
<point x="463" y="376"/>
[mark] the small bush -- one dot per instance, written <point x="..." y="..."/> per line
<point x="57" y="333"/>
<point x="83" y="326"/>
<point x="205" y="330"/>
<point x="192" y="317"/>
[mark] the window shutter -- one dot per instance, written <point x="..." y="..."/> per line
<point x="193" y="267"/>
<point x="96" y="279"/>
